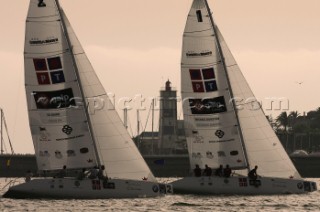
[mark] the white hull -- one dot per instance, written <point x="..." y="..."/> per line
<point x="241" y="186"/>
<point x="70" y="188"/>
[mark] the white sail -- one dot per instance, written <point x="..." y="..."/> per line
<point x="64" y="132"/>
<point x="116" y="149"/>
<point x="212" y="129"/>
<point x="57" y="120"/>
<point x="263" y="146"/>
<point x="256" y="138"/>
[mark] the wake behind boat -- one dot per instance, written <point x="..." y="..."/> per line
<point x="71" y="122"/>
<point x="224" y="123"/>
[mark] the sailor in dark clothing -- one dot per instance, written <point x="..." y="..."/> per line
<point x="219" y="171"/>
<point x="101" y="173"/>
<point x="227" y="171"/>
<point x="207" y="171"/>
<point x="197" y="171"/>
<point x="253" y="173"/>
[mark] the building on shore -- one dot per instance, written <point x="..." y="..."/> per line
<point x="170" y="139"/>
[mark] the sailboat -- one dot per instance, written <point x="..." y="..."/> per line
<point x="73" y="122"/>
<point x="224" y="122"/>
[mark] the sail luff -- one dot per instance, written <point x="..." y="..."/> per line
<point x="228" y="81"/>
<point x="80" y="83"/>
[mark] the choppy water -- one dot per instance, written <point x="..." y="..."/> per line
<point x="305" y="202"/>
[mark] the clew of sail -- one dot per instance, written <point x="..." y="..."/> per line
<point x="211" y="126"/>
<point x="262" y="145"/>
<point x="116" y="149"/>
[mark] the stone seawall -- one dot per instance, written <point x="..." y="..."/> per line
<point x="161" y="165"/>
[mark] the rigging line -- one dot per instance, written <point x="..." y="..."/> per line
<point x="128" y="118"/>
<point x="20" y="84"/>
<point x="5" y="126"/>
<point x="144" y="130"/>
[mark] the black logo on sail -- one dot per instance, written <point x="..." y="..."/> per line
<point x="67" y="129"/>
<point x="208" y="106"/>
<point x="54" y="99"/>
<point x="41" y="3"/>
<point x="219" y="133"/>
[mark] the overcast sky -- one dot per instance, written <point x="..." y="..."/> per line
<point x="135" y="46"/>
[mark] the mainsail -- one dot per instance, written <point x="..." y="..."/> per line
<point x="220" y="130"/>
<point x="212" y="129"/>
<point x="72" y="120"/>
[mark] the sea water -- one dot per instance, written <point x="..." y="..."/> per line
<point x="304" y="202"/>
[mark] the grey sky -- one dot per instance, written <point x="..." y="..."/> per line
<point x="135" y="45"/>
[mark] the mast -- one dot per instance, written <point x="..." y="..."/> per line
<point x="152" y="120"/>
<point x="138" y="129"/>
<point x="79" y="80"/>
<point x="228" y="81"/>
<point x="125" y="117"/>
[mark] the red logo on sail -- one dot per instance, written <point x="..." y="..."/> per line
<point x="203" y="80"/>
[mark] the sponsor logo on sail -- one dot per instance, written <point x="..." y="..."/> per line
<point x="208" y="105"/>
<point x="69" y="138"/>
<point x="219" y="133"/>
<point x="48" y="70"/>
<point x="209" y="154"/>
<point x="58" y="154"/>
<point x="196" y="155"/>
<point x="221" y="141"/>
<point x="207" y="122"/>
<point x="54" y="117"/>
<point x="71" y="153"/>
<point x="54" y="99"/>
<point x="221" y="154"/>
<point x="44" y="153"/>
<point x="67" y="129"/>
<point x="198" y="139"/>
<point x="36" y="41"/>
<point x="203" y="80"/>
<point x="205" y="53"/>
<point x="41" y="3"/>
<point x="44" y="135"/>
